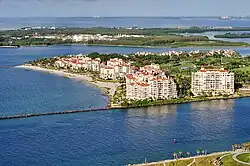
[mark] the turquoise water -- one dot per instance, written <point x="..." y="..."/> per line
<point x="116" y="137"/>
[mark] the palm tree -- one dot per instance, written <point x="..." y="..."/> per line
<point x="198" y="151"/>
<point x="233" y="148"/>
<point x="180" y="153"/>
<point x="175" y="155"/>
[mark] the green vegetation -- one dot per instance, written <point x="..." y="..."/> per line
<point x="199" y="161"/>
<point x="164" y="37"/>
<point x="168" y="41"/>
<point x="180" y="66"/>
<point x="206" y="160"/>
<point x="114" y="31"/>
<point x="228" y="160"/>
<point x="119" y="96"/>
<point x="233" y="35"/>
<point x="174" y="163"/>
<point x="150" y="102"/>
<point x="34" y="42"/>
<point x="244" y="157"/>
<point x="202" y="159"/>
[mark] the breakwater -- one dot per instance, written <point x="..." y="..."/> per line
<point x="50" y="113"/>
<point x="7" y="67"/>
<point x="113" y="108"/>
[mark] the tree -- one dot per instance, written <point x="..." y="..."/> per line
<point x="175" y="155"/>
<point x="198" y="151"/>
<point x="180" y="154"/>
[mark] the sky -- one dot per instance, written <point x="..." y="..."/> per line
<point x="119" y="8"/>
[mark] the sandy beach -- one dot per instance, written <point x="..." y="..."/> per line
<point x="102" y="85"/>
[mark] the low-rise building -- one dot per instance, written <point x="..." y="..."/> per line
<point x="213" y="81"/>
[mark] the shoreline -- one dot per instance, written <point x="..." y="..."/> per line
<point x="129" y="46"/>
<point x="107" y="108"/>
<point x="107" y="88"/>
<point x="140" y="46"/>
<point x="181" y="159"/>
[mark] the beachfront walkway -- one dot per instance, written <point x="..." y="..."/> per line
<point x="235" y="158"/>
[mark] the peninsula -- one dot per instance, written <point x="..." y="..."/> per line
<point x="134" y="36"/>
<point x="238" y="155"/>
<point x="149" y="79"/>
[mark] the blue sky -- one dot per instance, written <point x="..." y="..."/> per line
<point x="86" y="8"/>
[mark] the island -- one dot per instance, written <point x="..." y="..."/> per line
<point x="148" y="79"/>
<point x="233" y="35"/>
<point x="133" y="36"/>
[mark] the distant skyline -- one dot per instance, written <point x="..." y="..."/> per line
<point x="121" y="8"/>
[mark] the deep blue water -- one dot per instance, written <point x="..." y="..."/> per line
<point x="122" y="137"/>
<point x="102" y="138"/>
<point x="159" y="22"/>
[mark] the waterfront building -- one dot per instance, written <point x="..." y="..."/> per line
<point x="115" y="69"/>
<point x="150" y="82"/>
<point x="214" y="81"/>
<point x="225" y="52"/>
<point x="79" y="62"/>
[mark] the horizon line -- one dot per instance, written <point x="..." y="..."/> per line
<point x="121" y="16"/>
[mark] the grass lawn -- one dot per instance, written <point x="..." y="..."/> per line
<point x="205" y="161"/>
<point x="176" y="163"/>
<point x="202" y="161"/>
<point x="244" y="157"/>
<point x="228" y="161"/>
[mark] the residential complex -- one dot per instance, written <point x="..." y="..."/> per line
<point x="115" y="69"/>
<point x="150" y="82"/>
<point x="225" y="52"/>
<point x="215" y="81"/>
<point x="84" y="37"/>
<point x="79" y="62"/>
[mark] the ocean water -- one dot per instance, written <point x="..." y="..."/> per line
<point x="23" y="91"/>
<point x="115" y="137"/>
<point x="121" y="137"/>
<point x="146" y="22"/>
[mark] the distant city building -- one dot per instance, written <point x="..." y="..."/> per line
<point x="150" y="82"/>
<point x="226" y="52"/>
<point x="213" y="81"/>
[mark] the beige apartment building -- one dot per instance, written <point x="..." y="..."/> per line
<point x="115" y="69"/>
<point x="214" y="81"/>
<point x="76" y="63"/>
<point x="150" y="82"/>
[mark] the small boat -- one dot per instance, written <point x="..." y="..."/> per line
<point x="175" y="141"/>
